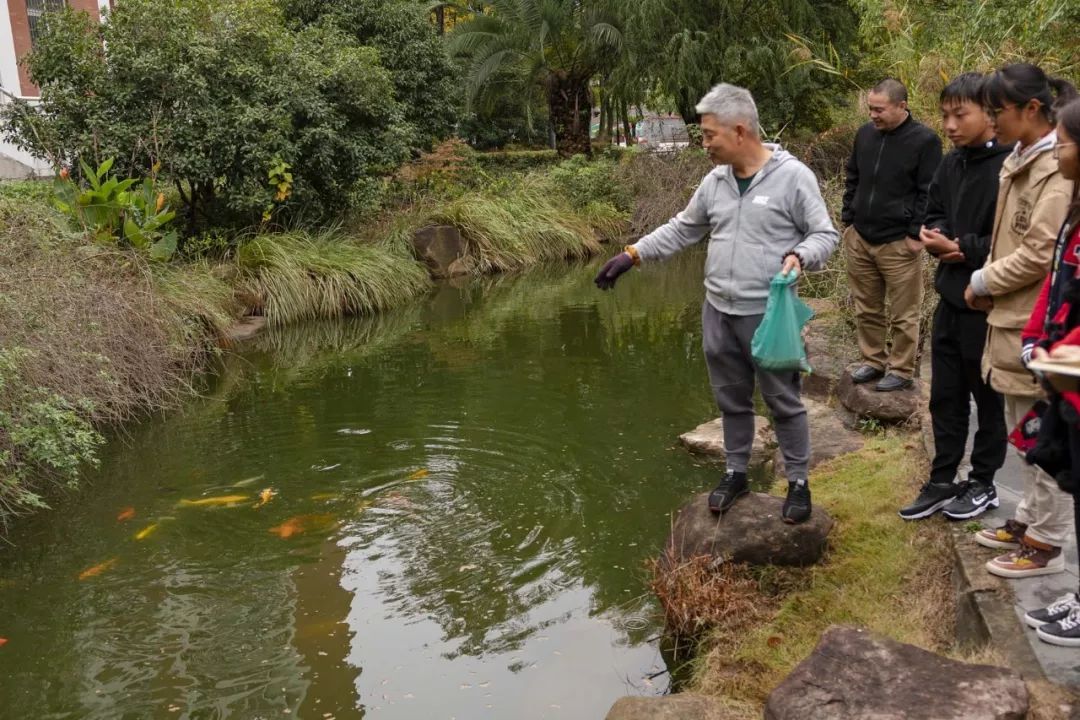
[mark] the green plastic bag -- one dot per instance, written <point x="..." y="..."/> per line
<point x="777" y="344"/>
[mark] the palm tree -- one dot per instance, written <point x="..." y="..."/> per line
<point x="559" y="45"/>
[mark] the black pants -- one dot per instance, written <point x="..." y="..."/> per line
<point x="956" y="346"/>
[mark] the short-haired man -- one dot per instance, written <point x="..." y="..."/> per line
<point x="888" y="174"/>
<point x="958" y="228"/>
<point x="763" y="213"/>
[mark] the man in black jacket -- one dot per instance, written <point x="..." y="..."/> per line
<point x="888" y="174"/>
<point x="959" y="224"/>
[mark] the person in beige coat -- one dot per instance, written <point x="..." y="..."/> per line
<point x="1033" y="199"/>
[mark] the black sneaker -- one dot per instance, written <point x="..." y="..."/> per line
<point x="731" y="488"/>
<point x="1063" y="632"/>
<point x="975" y="499"/>
<point x="797" y="504"/>
<point x="1055" y="611"/>
<point x="932" y="497"/>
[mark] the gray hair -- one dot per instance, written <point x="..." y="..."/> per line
<point x="730" y="104"/>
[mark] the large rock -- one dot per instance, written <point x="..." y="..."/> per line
<point x="683" y="706"/>
<point x="442" y="249"/>
<point x="751" y="531"/>
<point x="708" y="439"/>
<point x="857" y="675"/>
<point x="863" y="400"/>
<point x="829" y="437"/>
<point x="828" y="357"/>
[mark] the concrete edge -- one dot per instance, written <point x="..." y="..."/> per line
<point x="984" y="603"/>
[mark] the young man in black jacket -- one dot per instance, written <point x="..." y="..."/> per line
<point x="888" y="174"/>
<point x="959" y="223"/>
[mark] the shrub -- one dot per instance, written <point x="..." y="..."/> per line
<point x="218" y="92"/>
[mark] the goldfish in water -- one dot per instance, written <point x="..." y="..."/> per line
<point x="214" y="501"/>
<point x="265" y="496"/>
<point x="301" y="523"/>
<point x="146" y="531"/>
<point x="3" y="642"/>
<point x="419" y="475"/>
<point x="97" y="569"/>
<point x="126" y="514"/>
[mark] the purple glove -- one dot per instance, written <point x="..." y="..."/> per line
<point x="613" y="268"/>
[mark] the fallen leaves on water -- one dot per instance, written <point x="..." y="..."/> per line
<point x="146" y="531"/>
<point x="265" y="496"/>
<point x="302" y="523"/>
<point x="97" y="569"/>
<point x="214" y="501"/>
<point x="125" y="514"/>
<point x="419" y="475"/>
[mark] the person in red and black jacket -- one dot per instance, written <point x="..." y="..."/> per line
<point x="1053" y="332"/>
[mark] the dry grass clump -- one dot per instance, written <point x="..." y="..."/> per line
<point x="696" y="595"/>
<point x="92" y="323"/>
<point x="661" y="185"/>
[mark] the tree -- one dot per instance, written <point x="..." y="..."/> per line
<point x="425" y="81"/>
<point x="217" y="94"/>
<point x="560" y="45"/>
<point x="678" y="49"/>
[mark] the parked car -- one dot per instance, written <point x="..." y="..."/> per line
<point x="662" y="134"/>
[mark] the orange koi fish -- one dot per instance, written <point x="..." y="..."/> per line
<point x="125" y="514"/>
<point x="214" y="501"/>
<point x="97" y="569"/>
<point x="301" y="523"/>
<point x="419" y="475"/>
<point x="3" y="642"/>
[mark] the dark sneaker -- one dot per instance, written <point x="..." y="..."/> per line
<point x="730" y="489"/>
<point x="1029" y="560"/>
<point x="1063" y="632"/>
<point x="932" y="497"/>
<point x="865" y="374"/>
<point x="797" y="504"/>
<point x="1006" y="537"/>
<point x="1057" y="610"/>
<point x="975" y="499"/>
<point x="891" y="382"/>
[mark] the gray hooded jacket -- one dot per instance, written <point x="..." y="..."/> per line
<point x="749" y="235"/>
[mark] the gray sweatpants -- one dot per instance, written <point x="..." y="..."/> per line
<point x="726" y="339"/>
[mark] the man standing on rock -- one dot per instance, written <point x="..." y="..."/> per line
<point x="888" y="175"/>
<point x="763" y="212"/>
<point x="958" y="229"/>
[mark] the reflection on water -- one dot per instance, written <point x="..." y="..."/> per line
<point x="461" y="495"/>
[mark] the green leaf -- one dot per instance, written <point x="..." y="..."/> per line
<point x="134" y="235"/>
<point x="164" y="248"/>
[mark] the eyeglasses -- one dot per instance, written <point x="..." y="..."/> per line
<point x="1056" y="152"/>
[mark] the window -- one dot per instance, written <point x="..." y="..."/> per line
<point x="35" y="12"/>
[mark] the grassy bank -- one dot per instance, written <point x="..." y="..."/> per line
<point x="880" y="573"/>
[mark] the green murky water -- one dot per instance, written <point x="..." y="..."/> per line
<point x="466" y="491"/>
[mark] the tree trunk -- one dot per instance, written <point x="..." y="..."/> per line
<point x="626" y="124"/>
<point x="570" y="110"/>
<point x="440" y="19"/>
<point x="603" y="136"/>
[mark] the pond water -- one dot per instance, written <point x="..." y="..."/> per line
<point x="465" y="493"/>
